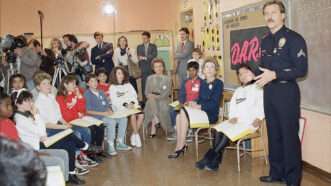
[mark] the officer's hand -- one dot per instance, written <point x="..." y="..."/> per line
<point x="265" y="77"/>
<point x="257" y="123"/>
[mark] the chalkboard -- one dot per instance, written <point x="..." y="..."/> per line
<point x="312" y="20"/>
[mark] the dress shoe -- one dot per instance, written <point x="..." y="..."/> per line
<point x="269" y="179"/>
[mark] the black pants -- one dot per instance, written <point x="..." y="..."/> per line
<point x="282" y="113"/>
<point x="71" y="143"/>
<point x="97" y="135"/>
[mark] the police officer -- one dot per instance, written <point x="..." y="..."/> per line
<point x="284" y="59"/>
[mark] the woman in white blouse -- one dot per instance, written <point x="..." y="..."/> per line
<point x="122" y="55"/>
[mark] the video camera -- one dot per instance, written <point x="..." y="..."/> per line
<point x="9" y="43"/>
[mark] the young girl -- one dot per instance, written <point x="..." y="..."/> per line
<point x="123" y="96"/>
<point x="103" y="81"/>
<point x="73" y="106"/>
<point x="197" y="56"/>
<point x="16" y="82"/>
<point x="246" y="109"/>
<point x="210" y="94"/>
<point x="31" y="130"/>
<point x="157" y="92"/>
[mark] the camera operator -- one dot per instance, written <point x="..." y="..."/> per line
<point x="76" y="57"/>
<point x="28" y="60"/>
<point x="47" y="56"/>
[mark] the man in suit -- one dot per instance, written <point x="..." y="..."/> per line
<point x="146" y="52"/>
<point x="183" y="53"/>
<point x="102" y="53"/>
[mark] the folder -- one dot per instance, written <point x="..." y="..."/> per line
<point x="55" y="138"/>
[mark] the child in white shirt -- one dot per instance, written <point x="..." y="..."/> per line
<point x="246" y="111"/>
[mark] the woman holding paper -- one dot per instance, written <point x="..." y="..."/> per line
<point x="210" y="94"/>
<point x="246" y="113"/>
<point x="124" y="97"/>
<point x="31" y="130"/>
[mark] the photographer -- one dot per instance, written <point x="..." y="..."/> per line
<point x="47" y="56"/>
<point x="76" y="56"/>
<point x="29" y="61"/>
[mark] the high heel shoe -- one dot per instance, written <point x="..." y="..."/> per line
<point x="177" y="153"/>
<point x="152" y="135"/>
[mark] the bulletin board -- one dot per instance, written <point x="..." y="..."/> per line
<point x="211" y="30"/>
<point x="240" y="28"/>
<point x="162" y="38"/>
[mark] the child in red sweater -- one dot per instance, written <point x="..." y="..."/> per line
<point x="73" y="106"/>
<point x="7" y="127"/>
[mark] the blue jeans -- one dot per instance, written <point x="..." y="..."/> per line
<point x="82" y="133"/>
<point x="110" y="123"/>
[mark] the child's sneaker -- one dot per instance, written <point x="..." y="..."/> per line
<point x="138" y="140"/>
<point x="123" y="146"/>
<point x="111" y="150"/>
<point x="133" y="140"/>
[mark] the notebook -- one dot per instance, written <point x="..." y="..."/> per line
<point x="197" y="118"/>
<point x="234" y="131"/>
<point x="86" y="121"/>
<point x="55" y="138"/>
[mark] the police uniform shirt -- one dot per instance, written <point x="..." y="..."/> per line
<point x="247" y="104"/>
<point x="285" y="52"/>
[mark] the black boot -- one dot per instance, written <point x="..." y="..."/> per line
<point x="202" y="163"/>
<point x="73" y="179"/>
<point x="213" y="162"/>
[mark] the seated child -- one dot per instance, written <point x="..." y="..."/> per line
<point x="31" y="130"/>
<point x="98" y="106"/>
<point x="16" y="82"/>
<point x="123" y="96"/>
<point x="73" y="106"/>
<point x="189" y="91"/>
<point x="103" y="81"/>
<point x="197" y="56"/>
<point x="246" y="110"/>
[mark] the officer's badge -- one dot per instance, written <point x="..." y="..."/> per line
<point x="301" y="53"/>
<point x="281" y="42"/>
<point x="275" y="50"/>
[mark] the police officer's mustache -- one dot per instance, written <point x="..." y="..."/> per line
<point x="270" y="20"/>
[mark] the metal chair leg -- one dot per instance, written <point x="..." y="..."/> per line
<point x="238" y="154"/>
<point x="196" y="137"/>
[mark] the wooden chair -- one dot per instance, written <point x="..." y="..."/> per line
<point x="227" y="95"/>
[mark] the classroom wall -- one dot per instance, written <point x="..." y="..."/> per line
<point x="18" y="16"/>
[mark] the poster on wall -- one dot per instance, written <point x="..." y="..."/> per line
<point x="245" y="45"/>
